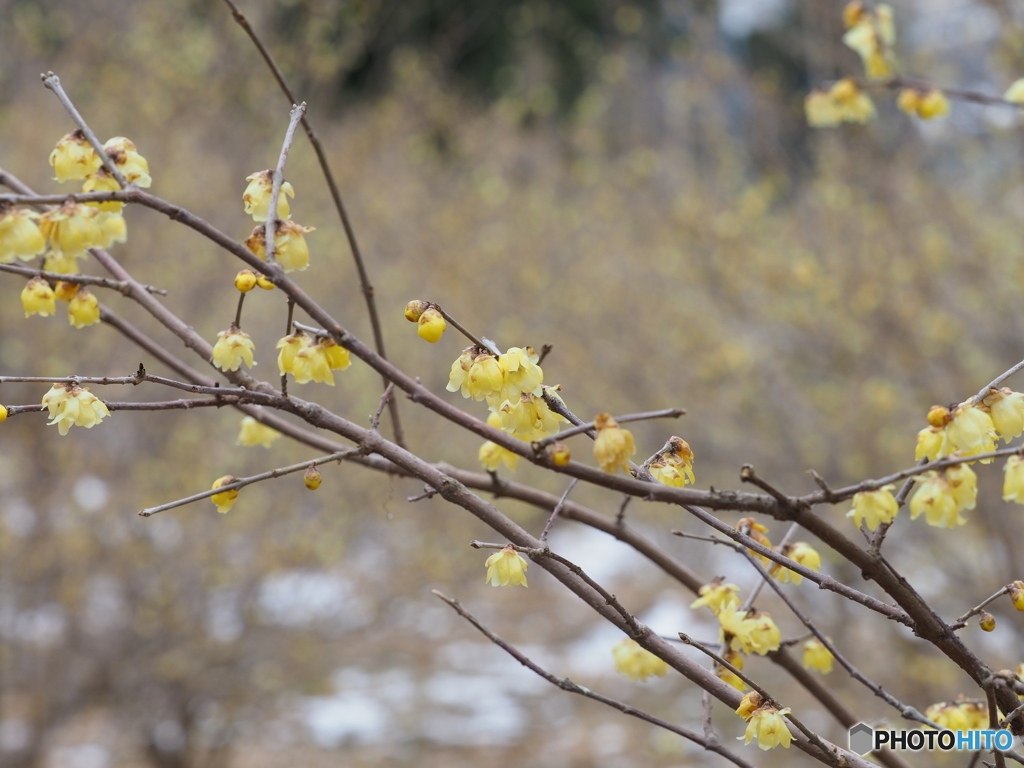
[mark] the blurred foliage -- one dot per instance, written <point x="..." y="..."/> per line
<point x="678" y="235"/>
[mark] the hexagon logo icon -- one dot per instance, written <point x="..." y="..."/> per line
<point x="862" y="738"/>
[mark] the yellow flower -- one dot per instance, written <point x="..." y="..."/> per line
<point x="506" y="568"/>
<point x="930" y="443"/>
<point x="853" y="13"/>
<point x="256" y="198"/>
<point x="802" y="553"/>
<point x="431" y="326"/>
<point x="83" y="309"/>
<point x="637" y="663"/>
<point x="727" y="675"/>
<point x="225" y="499"/>
<point x="37" y="298"/>
<point x="872" y="37"/>
<point x="290" y="248"/>
<point x="873" y="508"/>
<point x="61" y="263"/>
<point x="75" y="406"/>
<point x="853" y="104"/>
<point x="756" y="531"/>
<point x="529" y="418"/>
<point x="737" y="630"/>
<point x="233" y="347"/>
<point x="1006" y="408"/>
<point x="674" y="465"/>
<point x="492" y="455"/>
<point x="126" y="157"/>
<point x="971" y="431"/>
<point x="748" y="704"/>
<point x="290" y="346"/>
<point x="477" y="373"/>
<point x="113" y="229"/>
<point x="264" y="282"/>
<point x="20" y="237"/>
<point x="312" y="477"/>
<point x="102" y="181"/>
<point x="817" y="656"/>
<point x="764" y="636"/>
<point x="963" y="484"/>
<point x="964" y="715"/>
<point x="254" y="433"/>
<point x="822" y="110"/>
<point x="932" y="104"/>
<point x="717" y="597"/>
<point x="65" y="291"/>
<point x="72" y="228"/>
<point x="522" y="374"/>
<point x="1013" y="479"/>
<point x="768" y="726"/>
<point x="613" y="445"/>
<point x="315" y="361"/>
<point x="1015" y="92"/>
<point x="74" y="158"/>
<point x="934" y="498"/>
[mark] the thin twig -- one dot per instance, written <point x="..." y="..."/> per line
<point x="384" y="398"/>
<point x="962" y="621"/>
<point x="244" y="481"/>
<point x="664" y="413"/>
<point x="557" y="509"/>
<point x="467" y="333"/>
<point x="298" y="110"/>
<point x="103" y="282"/>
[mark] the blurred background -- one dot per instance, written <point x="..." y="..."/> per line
<point x="631" y="182"/>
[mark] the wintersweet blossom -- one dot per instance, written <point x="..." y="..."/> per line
<point x="126" y="157"/>
<point x="83" y="309"/>
<point x="872" y="36"/>
<point x="20" y="237"/>
<point x="934" y="499"/>
<point x="290" y="248"/>
<point x="613" y="445"/>
<point x="817" y="656"/>
<point x="844" y="102"/>
<point x="102" y="181"/>
<point x="233" y="348"/>
<point x="492" y="455"/>
<point x="637" y="663"/>
<point x="431" y="326"/>
<point x="72" y="228"/>
<point x="74" y="158"/>
<point x="476" y="373"/>
<point x="727" y="675"/>
<point x="802" y="553"/>
<point x="225" y="499"/>
<point x="529" y="418"/>
<point x="38" y="298"/>
<point x="971" y="431"/>
<point x="926" y="105"/>
<point x="873" y="508"/>
<point x="717" y="597"/>
<point x="255" y="433"/>
<point x="1013" y="479"/>
<point x="312" y="478"/>
<point x="290" y="346"/>
<point x="965" y="715"/>
<point x="768" y="726"/>
<point x="757" y="532"/>
<point x="256" y="198"/>
<point x="73" y="406"/>
<point x="506" y="568"/>
<point x="1006" y="408"/>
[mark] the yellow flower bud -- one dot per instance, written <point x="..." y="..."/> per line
<point x="245" y="280"/>
<point x="65" y="291"/>
<point x="749" y="703"/>
<point x="939" y="416"/>
<point x="986" y="621"/>
<point x="414" y="309"/>
<point x="3" y="414"/>
<point x="312" y="478"/>
<point x="1017" y="594"/>
<point x="226" y="499"/>
<point x="613" y="445"/>
<point x="264" y="282"/>
<point x="560" y="454"/>
<point x="431" y="325"/>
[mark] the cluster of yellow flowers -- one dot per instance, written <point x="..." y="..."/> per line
<point x="844" y="102"/>
<point x="64" y="234"/>
<point x="637" y="663"/>
<point x="960" y="715"/>
<point x="73" y="406"/>
<point x="290" y="248"/>
<point x="309" y="359"/>
<point x="764" y="722"/>
<point x="872" y="35"/>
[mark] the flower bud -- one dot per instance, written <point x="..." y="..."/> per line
<point x="245" y="280"/>
<point x="987" y="621"/>
<point x="938" y="416"/>
<point x="65" y="291"/>
<point x="414" y="309"/>
<point x="431" y="325"/>
<point x="3" y="414"/>
<point x="264" y="282"/>
<point x="560" y="454"/>
<point x="1017" y="594"/>
<point x="312" y="478"/>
